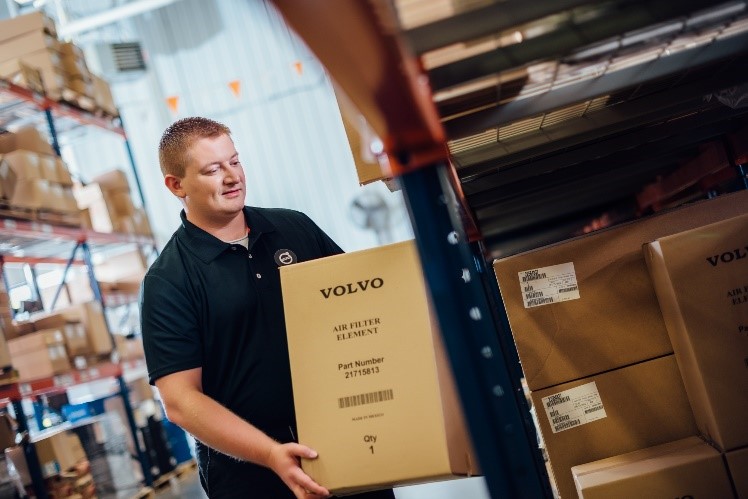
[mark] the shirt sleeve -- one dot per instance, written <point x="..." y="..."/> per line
<point x="170" y="328"/>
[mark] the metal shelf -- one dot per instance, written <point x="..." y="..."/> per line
<point x="20" y="107"/>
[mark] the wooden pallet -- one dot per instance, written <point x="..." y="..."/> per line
<point x="170" y="478"/>
<point x="145" y="493"/>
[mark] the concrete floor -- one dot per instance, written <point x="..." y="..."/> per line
<point x="188" y="487"/>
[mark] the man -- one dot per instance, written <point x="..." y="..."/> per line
<point x="213" y="323"/>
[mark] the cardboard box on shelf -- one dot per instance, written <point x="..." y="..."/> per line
<point x="74" y="61"/>
<point x="47" y="64"/>
<point x="32" y="41"/>
<point x="129" y="348"/>
<point x="59" y="452"/>
<point x="737" y="464"/>
<point x="15" y="167"/>
<point x="76" y="339"/>
<point x="598" y="309"/>
<point x="120" y="203"/>
<point x="103" y="95"/>
<point x="48" y="168"/>
<point x="612" y="413"/>
<point x="91" y="315"/>
<point x="80" y="85"/>
<point x="27" y="139"/>
<point x="55" y="320"/>
<point x="39" y="355"/>
<point x="113" y="180"/>
<point x="684" y="468"/>
<point x="23" y="75"/>
<point x="20" y="25"/>
<point x="701" y="279"/>
<point x="91" y="198"/>
<point x="378" y="403"/>
<point x="30" y="194"/>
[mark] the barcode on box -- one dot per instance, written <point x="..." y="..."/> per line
<point x="365" y="398"/>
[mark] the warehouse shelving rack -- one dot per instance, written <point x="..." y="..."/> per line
<point x="35" y="242"/>
<point x="516" y="124"/>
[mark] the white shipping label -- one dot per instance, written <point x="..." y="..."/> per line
<point x="574" y="407"/>
<point x="548" y="285"/>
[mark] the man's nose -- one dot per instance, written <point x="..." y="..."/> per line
<point x="231" y="176"/>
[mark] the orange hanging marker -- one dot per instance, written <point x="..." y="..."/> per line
<point x="235" y="86"/>
<point x="173" y="103"/>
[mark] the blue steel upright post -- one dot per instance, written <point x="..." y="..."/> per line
<point x="482" y="375"/>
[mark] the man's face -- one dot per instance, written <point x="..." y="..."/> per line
<point x="213" y="183"/>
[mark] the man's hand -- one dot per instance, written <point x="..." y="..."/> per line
<point x="283" y="459"/>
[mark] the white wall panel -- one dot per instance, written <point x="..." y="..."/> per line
<point x="286" y="125"/>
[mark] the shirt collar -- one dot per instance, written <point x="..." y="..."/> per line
<point x="207" y="247"/>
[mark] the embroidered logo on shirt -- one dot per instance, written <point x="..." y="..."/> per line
<point x="285" y="257"/>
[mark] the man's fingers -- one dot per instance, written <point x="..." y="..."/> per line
<point x="303" y="451"/>
<point x="311" y="486"/>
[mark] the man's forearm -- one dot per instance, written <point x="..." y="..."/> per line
<point x="221" y="429"/>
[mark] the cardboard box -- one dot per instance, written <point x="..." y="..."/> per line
<point x="737" y="464"/>
<point x="39" y="355"/>
<point x="48" y="65"/>
<point x="612" y="413"/>
<point x="685" y="468"/>
<point x="76" y="339"/>
<point x="27" y="139"/>
<point x="19" y="25"/>
<point x="121" y="203"/>
<point x="113" y="180"/>
<point x="23" y="75"/>
<point x="48" y="168"/>
<point x="103" y="95"/>
<point x="28" y="42"/>
<point x="604" y="313"/>
<point x="701" y="279"/>
<point x="91" y="198"/>
<point x="378" y="402"/>
<point x="91" y="315"/>
<point x="59" y="452"/>
<point x="31" y="194"/>
<point x="55" y="320"/>
<point x="15" y="167"/>
<point x="129" y="348"/>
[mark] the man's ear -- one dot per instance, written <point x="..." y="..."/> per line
<point x="174" y="184"/>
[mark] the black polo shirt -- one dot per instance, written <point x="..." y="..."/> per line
<point x="210" y="304"/>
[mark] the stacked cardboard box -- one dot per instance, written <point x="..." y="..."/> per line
<point x="109" y="205"/>
<point x="32" y="176"/>
<point x="701" y="279"/>
<point x="378" y="403"/>
<point x="31" y="56"/>
<point x="684" y="468"/>
<point x="30" y="41"/>
<point x="588" y="328"/>
<point x="40" y="354"/>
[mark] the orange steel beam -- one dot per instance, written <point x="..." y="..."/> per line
<point x="360" y="44"/>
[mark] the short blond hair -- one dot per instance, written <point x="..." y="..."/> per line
<point x="179" y="136"/>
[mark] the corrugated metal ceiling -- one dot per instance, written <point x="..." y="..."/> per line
<point x="540" y="98"/>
